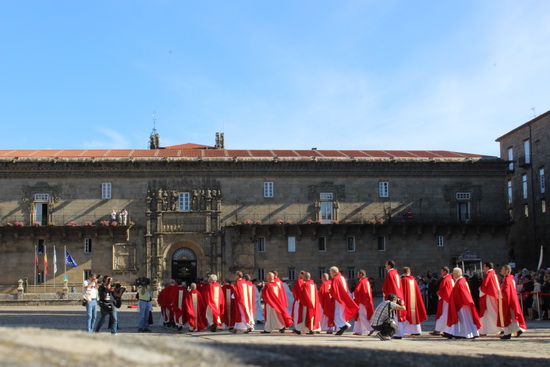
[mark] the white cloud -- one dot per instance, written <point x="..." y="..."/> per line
<point x="111" y="140"/>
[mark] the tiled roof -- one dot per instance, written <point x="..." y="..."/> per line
<point x="202" y="151"/>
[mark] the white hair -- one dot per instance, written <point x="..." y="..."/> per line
<point x="334" y="269"/>
<point x="457" y="271"/>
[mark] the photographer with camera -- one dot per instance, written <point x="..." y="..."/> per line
<point x="144" y="307"/>
<point x="385" y="318"/>
<point x="89" y="299"/>
<point x="107" y="305"/>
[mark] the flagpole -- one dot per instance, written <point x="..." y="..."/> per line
<point x="45" y="275"/>
<point x="65" y="262"/>
<point x="54" y="267"/>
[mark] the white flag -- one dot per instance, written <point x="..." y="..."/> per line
<point x="54" y="261"/>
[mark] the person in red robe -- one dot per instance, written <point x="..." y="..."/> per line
<point x="178" y="305"/>
<point x="510" y="316"/>
<point x="327" y="305"/>
<point x="309" y="314"/>
<point x="279" y="283"/>
<point x="196" y="309"/>
<point x="244" y="313"/>
<point x="364" y="299"/>
<point x="345" y="307"/>
<point x="392" y="282"/>
<point x="164" y="301"/>
<point x="410" y="320"/>
<point x="489" y="291"/>
<point x="296" y="289"/>
<point x="444" y="293"/>
<point x="275" y="312"/>
<point x="228" y="313"/>
<point x="463" y="320"/>
<point x="215" y="302"/>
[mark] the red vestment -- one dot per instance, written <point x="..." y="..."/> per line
<point x="327" y="302"/>
<point x="392" y="284"/>
<point x="273" y="296"/>
<point x="490" y="287"/>
<point x="178" y="305"/>
<point x="244" y="296"/>
<point x="196" y="310"/>
<point x="363" y="296"/>
<point x="283" y="292"/>
<point x="444" y="293"/>
<point x="228" y="313"/>
<point x="213" y="295"/>
<point x="415" y="312"/>
<point x="164" y="303"/>
<point x="339" y="291"/>
<point x="309" y="299"/>
<point x="461" y="297"/>
<point x="508" y="303"/>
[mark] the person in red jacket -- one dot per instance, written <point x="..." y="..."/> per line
<point x="164" y="301"/>
<point x="275" y="313"/>
<point x="309" y="314"/>
<point x="510" y="316"/>
<point x="327" y="305"/>
<point x="178" y="305"/>
<point x="444" y="293"/>
<point x="409" y="320"/>
<point x="392" y="282"/>
<point x="364" y="299"/>
<point x="196" y="309"/>
<point x="279" y="282"/>
<point x="344" y="307"/>
<point x="215" y="302"/>
<point x="463" y="320"/>
<point x="296" y="294"/>
<point x="488" y="301"/>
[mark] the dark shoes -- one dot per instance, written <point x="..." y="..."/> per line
<point x="506" y="337"/>
<point x="342" y="329"/>
<point x="519" y="333"/>
<point x="213" y="328"/>
<point x="296" y="331"/>
<point x="282" y="331"/>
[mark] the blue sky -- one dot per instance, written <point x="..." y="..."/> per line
<point x="451" y="75"/>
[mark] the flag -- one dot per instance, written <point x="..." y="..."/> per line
<point x="54" y="261"/>
<point x="69" y="259"/>
<point x="45" y="262"/>
<point x="36" y="262"/>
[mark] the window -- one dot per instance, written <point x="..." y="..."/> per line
<point x="326" y="214"/>
<point x="351" y="272"/>
<point x="526" y="210"/>
<point x="439" y="241"/>
<point x="543" y="205"/>
<point x="261" y="274"/>
<point x="106" y="190"/>
<point x="291" y="244"/>
<point x="463" y="211"/>
<point x="291" y="273"/>
<point x="383" y="189"/>
<point x="541" y="181"/>
<point x="41" y="213"/>
<point x="87" y="245"/>
<point x="322" y="244"/>
<point x="268" y="189"/>
<point x="40" y="247"/>
<point x="260" y="243"/>
<point x="381" y="243"/>
<point x="183" y="202"/>
<point x="510" y="159"/>
<point x="351" y="244"/>
<point x="321" y="270"/>
<point x="462" y="196"/>
<point x="509" y="191"/>
<point x="527" y="148"/>
<point x="41" y="197"/>
<point x="524" y="186"/>
<point x="382" y="272"/>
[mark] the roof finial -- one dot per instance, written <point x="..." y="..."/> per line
<point x="154" y="139"/>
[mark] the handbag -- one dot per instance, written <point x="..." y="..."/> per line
<point x="390" y="326"/>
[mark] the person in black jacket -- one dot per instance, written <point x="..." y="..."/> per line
<point x="107" y="305"/>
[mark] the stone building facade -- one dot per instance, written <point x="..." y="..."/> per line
<point x="527" y="150"/>
<point x="195" y="210"/>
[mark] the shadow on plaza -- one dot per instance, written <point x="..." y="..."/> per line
<point x="277" y="355"/>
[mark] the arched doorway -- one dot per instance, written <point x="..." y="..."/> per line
<point x="184" y="265"/>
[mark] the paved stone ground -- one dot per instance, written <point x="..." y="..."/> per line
<point x="54" y="336"/>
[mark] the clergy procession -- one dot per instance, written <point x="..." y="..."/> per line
<point x="307" y="309"/>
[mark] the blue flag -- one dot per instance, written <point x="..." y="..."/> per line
<point x="69" y="259"/>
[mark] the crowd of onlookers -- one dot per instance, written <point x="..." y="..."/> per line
<point x="533" y="291"/>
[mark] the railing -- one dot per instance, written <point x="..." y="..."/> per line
<point x="59" y="221"/>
